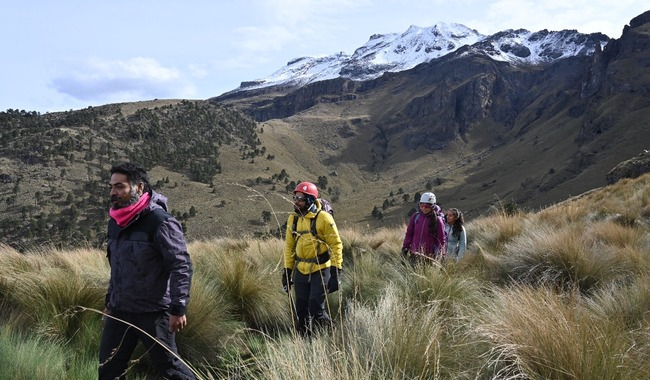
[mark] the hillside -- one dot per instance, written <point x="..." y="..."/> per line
<point x="474" y="130"/>
<point x="54" y="167"/>
<point x="563" y="293"/>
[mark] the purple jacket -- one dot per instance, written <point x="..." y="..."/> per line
<point x="150" y="267"/>
<point x="418" y="239"/>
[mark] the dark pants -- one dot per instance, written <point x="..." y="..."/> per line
<point x="119" y="341"/>
<point x="311" y="292"/>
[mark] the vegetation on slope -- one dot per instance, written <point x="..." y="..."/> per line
<point x="53" y="167"/>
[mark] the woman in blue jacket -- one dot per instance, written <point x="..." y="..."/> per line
<point x="456" y="234"/>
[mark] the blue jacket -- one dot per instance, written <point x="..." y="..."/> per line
<point x="151" y="269"/>
<point x="456" y="246"/>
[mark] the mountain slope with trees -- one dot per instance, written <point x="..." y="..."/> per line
<point x="473" y="130"/>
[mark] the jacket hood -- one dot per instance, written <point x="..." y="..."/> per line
<point x="311" y="214"/>
<point x="157" y="200"/>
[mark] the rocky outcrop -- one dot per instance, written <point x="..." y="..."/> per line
<point x="612" y="71"/>
<point x="297" y="100"/>
<point x="632" y="168"/>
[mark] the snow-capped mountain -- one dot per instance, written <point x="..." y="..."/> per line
<point x="523" y="47"/>
<point x="398" y="52"/>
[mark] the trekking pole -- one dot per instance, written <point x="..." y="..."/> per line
<point x="294" y="312"/>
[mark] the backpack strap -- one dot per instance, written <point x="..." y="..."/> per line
<point x="320" y="258"/>
<point x="312" y="226"/>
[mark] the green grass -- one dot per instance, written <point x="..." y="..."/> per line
<point x="29" y="357"/>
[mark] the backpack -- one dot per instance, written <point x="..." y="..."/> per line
<point x="325" y="206"/>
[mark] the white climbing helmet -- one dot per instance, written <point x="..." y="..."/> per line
<point x="429" y="198"/>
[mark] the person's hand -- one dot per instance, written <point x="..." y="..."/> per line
<point x="286" y="280"/>
<point x="334" y="283"/>
<point x="405" y="251"/>
<point x="177" y="322"/>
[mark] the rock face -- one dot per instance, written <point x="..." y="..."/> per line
<point x="533" y="131"/>
<point x="631" y="168"/>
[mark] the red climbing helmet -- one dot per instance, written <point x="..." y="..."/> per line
<point x="307" y="188"/>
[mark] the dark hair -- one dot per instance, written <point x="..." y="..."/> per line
<point x="311" y="202"/>
<point x="433" y="222"/>
<point x="135" y="173"/>
<point x="457" y="228"/>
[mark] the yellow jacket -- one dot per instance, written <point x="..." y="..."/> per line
<point x="307" y="246"/>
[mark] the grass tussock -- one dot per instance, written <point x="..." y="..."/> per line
<point x="26" y="357"/>
<point x="493" y="232"/>
<point x="242" y="274"/>
<point x="546" y="335"/>
<point x="563" y="293"/>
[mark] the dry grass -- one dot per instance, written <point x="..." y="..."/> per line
<point x="561" y="294"/>
<point x="492" y="233"/>
<point x="550" y="336"/>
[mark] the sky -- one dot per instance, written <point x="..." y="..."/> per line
<point x="72" y="54"/>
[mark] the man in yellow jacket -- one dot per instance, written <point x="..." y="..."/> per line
<point x="313" y="257"/>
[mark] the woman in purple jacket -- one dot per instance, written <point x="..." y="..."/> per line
<point x="425" y="234"/>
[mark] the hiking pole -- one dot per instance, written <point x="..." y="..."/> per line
<point x="294" y="312"/>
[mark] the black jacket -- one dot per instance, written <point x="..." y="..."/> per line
<point x="151" y="269"/>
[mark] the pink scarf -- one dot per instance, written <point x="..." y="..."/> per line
<point x="124" y="215"/>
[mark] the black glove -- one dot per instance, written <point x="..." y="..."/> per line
<point x="286" y="280"/>
<point x="333" y="283"/>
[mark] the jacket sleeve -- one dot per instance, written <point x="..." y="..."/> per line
<point x="408" y="237"/>
<point x="110" y="281"/>
<point x="462" y="244"/>
<point x="332" y="238"/>
<point x="171" y="242"/>
<point x="290" y="241"/>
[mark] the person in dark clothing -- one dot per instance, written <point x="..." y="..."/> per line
<point x="150" y="280"/>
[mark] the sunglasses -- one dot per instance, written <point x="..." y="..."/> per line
<point x="299" y="199"/>
<point x="425" y="205"/>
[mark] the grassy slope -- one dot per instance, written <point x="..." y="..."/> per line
<point x="561" y="293"/>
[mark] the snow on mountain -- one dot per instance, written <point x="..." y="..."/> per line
<point x="524" y="47"/>
<point x="398" y="52"/>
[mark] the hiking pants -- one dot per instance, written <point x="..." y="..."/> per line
<point x="119" y="341"/>
<point x="311" y="292"/>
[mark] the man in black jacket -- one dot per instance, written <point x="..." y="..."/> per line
<point x="151" y="273"/>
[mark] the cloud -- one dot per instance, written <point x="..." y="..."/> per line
<point x="587" y="16"/>
<point x="122" y="80"/>
<point x="293" y="23"/>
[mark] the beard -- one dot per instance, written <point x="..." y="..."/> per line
<point x="119" y="203"/>
<point x="301" y="210"/>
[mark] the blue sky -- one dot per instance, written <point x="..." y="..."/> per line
<point x="62" y="55"/>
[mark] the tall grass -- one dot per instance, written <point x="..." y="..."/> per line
<point x="242" y="274"/>
<point x="540" y="334"/>
<point x="392" y="341"/>
<point x="563" y="293"/>
<point x="28" y="357"/>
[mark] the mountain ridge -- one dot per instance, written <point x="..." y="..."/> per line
<point x="394" y="52"/>
<point x="477" y="131"/>
<point x="580" y="113"/>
